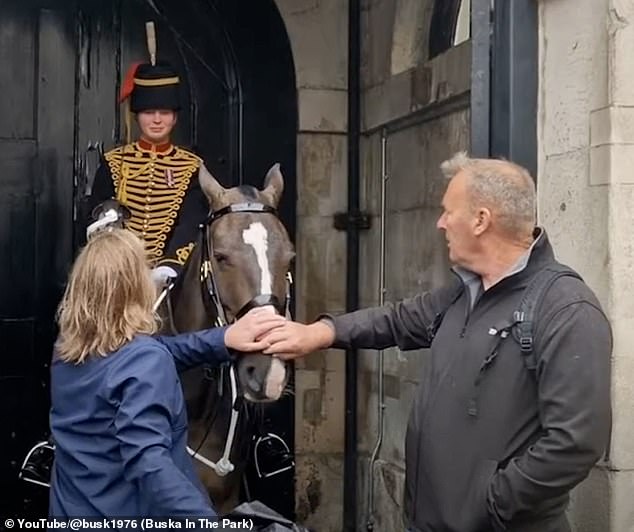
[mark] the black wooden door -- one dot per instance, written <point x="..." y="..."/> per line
<point x="36" y="191"/>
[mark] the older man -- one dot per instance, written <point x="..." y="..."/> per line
<point x="493" y="443"/>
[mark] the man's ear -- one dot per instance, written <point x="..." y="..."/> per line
<point x="483" y="220"/>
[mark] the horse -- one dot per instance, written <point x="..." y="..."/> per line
<point x="241" y="260"/>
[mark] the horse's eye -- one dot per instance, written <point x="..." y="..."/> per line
<point x="221" y="258"/>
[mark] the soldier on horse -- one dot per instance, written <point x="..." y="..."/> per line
<point x="156" y="180"/>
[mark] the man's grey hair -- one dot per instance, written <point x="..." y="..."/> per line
<point x="505" y="188"/>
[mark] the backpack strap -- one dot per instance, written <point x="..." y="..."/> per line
<point x="524" y="318"/>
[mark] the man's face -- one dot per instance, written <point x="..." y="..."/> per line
<point x="156" y="125"/>
<point x="459" y="222"/>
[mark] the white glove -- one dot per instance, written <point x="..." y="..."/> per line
<point x="161" y="275"/>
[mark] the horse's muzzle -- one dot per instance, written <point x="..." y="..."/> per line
<point x="262" y="378"/>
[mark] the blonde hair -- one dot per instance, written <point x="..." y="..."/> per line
<point x="504" y="187"/>
<point x="109" y="298"/>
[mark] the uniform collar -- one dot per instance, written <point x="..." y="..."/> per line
<point x="158" y="148"/>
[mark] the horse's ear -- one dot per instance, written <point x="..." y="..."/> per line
<point x="210" y="186"/>
<point x="274" y="184"/>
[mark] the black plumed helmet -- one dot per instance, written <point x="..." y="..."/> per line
<point x="152" y="87"/>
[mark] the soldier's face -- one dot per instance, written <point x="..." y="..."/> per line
<point x="156" y="125"/>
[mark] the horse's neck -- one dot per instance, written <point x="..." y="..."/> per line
<point x="188" y="305"/>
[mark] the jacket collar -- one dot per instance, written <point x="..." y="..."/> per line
<point x="158" y="148"/>
<point x="538" y="255"/>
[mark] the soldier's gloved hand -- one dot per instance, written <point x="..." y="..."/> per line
<point x="162" y="275"/>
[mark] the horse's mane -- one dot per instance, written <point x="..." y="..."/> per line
<point x="248" y="191"/>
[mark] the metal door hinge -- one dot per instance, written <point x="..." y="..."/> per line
<point x="346" y="220"/>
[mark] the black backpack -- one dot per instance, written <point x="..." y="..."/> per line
<point x="521" y="323"/>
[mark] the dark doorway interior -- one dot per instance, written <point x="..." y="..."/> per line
<point x="62" y="65"/>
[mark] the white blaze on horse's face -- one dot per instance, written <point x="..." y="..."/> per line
<point x="257" y="237"/>
<point x="275" y="380"/>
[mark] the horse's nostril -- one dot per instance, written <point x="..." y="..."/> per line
<point x="252" y="380"/>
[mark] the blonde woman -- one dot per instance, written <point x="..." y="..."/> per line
<point x="118" y="414"/>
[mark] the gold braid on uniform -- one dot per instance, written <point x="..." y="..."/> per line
<point x="182" y="254"/>
<point x="141" y="182"/>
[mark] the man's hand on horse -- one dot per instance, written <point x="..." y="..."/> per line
<point x="247" y="334"/>
<point x="292" y="339"/>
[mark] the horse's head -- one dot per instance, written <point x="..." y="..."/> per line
<point x="250" y="255"/>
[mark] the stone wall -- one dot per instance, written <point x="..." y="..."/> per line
<point x="398" y="82"/>
<point x="586" y="193"/>
<point x="318" y="32"/>
<point x="586" y="151"/>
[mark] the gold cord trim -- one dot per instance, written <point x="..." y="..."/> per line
<point x="159" y="82"/>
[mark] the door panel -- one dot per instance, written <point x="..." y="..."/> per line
<point x="36" y="184"/>
<point x="17" y="75"/>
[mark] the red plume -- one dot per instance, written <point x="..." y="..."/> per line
<point x="128" y="82"/>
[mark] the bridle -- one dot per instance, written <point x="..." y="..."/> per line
<point x="213" y="305"/>
<point x="211" y="295"/>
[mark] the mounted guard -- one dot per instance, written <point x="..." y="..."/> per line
<point x="154" y="179"/>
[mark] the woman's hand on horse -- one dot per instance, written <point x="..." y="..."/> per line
<point x="247" y="334"/>
<point x="292" y="339"/>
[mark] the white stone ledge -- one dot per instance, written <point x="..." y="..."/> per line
<point x="612" y="125"/>
<point x="612" y="164"/>
<point x="440" y="79"/>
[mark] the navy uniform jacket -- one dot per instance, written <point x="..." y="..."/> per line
<point x="159" y="184"/>
<point x="120" y="429"/>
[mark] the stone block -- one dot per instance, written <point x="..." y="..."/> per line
<point x="622" y="509"/>
<point x="410" y="34"/>
<point x="612" y="163"/>
<point x="622" y="451"/>
<point x="377" y="20"/>
<point x="445" y="76"/>
<point x="322" y="182"/>
<point x="576" y="218"/>
<point x="414" y="156"/>
<point x="321" y="253"/>
<point x="621" y="66"/>
<point x="418" y="257"/>
<point x="387" y="101"/>
<point x="320" y="411"/>
<point x="323" y="110"/>
<point x="589" y="509"/>
<point x="318" y="33"/>
<point x="573" y="72"/>
<point x="370" y="258"/>
<point x="612" y="125"/>
<point x="388" y="496"/>
<point x="319" y="491"/>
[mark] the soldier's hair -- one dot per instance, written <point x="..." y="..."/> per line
<point x="108" y="300"/>
<point x="505" y="188"/>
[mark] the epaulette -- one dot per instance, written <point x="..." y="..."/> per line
<point x="183" y="153"/>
